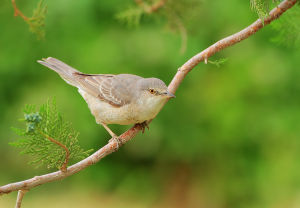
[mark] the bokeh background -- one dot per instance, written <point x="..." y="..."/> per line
<point x="229" y="140"/>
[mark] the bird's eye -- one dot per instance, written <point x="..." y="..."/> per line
<point x="151" y="91"/>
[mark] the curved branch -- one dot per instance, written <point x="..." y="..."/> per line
<point x="228" y="41"/>
<point x="113" y="145"/>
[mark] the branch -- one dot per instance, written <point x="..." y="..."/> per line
<point x="17" y="12"/>
<point x="20" y="196"/>
<point x="113" y="145"/>
<point x="151" y="8"/>
<point x="227" y="42"/>
<point x="58" y="175"/>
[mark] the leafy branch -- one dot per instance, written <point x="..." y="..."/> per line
<point x="37" y="139"/>
<point x="36" y="22"/>
<point x="173" y="11"/>
<point x="287" y="28"/>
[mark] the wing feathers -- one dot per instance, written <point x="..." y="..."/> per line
<point x="102" y="86"/>
<point x="106" y="87"/>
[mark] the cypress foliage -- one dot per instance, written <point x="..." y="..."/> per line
<point x="39" y="126"/>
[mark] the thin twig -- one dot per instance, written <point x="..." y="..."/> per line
<point x="132" y="132"/>
<point x="17" y="12"/>
<point x="183" y="34"/>
<point x="64" y="166"/>
<point x="151" y="8"/>
<point x="157" y="5"/>
<point x="20" y="196"/>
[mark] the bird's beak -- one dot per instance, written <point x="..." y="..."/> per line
<point x="170" y="95"/>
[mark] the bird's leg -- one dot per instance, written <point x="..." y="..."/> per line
<point x="109" y="130"/>
<point x="143" y="125"/>
<point x="114" y="136"/>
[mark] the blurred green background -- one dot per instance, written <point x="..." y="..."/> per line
<point x="229" y="140"/>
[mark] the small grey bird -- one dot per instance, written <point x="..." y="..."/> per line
<point x="115" y="99"/>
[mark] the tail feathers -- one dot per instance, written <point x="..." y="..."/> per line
<point x="65" y="71"/>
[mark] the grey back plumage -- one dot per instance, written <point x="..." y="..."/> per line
<point x="116" y="90"/>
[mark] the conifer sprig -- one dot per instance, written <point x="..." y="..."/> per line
<point x="261" y="7"/>
<point x="37" y="21"/>
<point x="218" y="62"/>
<point x="48" y="138"/>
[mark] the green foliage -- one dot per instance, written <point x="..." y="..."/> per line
<point x="261" y="7"/>
<point x="37" y="21"/>
<point x="44" y="123"/>
<point x="131" y="16"/>
<point x="183" y="10"/>
<point x="218" y="62"/>
<point x="288" y="28"/>
<point x="174" y="12"/>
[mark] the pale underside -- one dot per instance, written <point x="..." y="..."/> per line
<point x="131" y="113"/>
<point x="113" y="99"/>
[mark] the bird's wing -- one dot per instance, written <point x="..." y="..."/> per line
<point x="105" y="87"/>
<point x="113" y="89"/>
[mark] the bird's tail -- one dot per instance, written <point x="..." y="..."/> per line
<point x="65" y="71"/>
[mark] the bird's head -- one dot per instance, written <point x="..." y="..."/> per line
<point x="154" y="89"/>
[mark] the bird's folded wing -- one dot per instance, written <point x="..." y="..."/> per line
<point x="104" y="87"/>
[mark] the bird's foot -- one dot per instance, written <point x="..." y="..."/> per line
<point x="143" y="126"/>
<point x="117" y="140"/>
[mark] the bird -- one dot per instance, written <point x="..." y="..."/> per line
<point x="122" y="99"/>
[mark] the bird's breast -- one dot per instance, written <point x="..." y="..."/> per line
<point x="148" y="108"/>
<point x="134" y="112"/>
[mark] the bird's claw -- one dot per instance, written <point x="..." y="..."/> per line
<point x="143" y="126"/>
